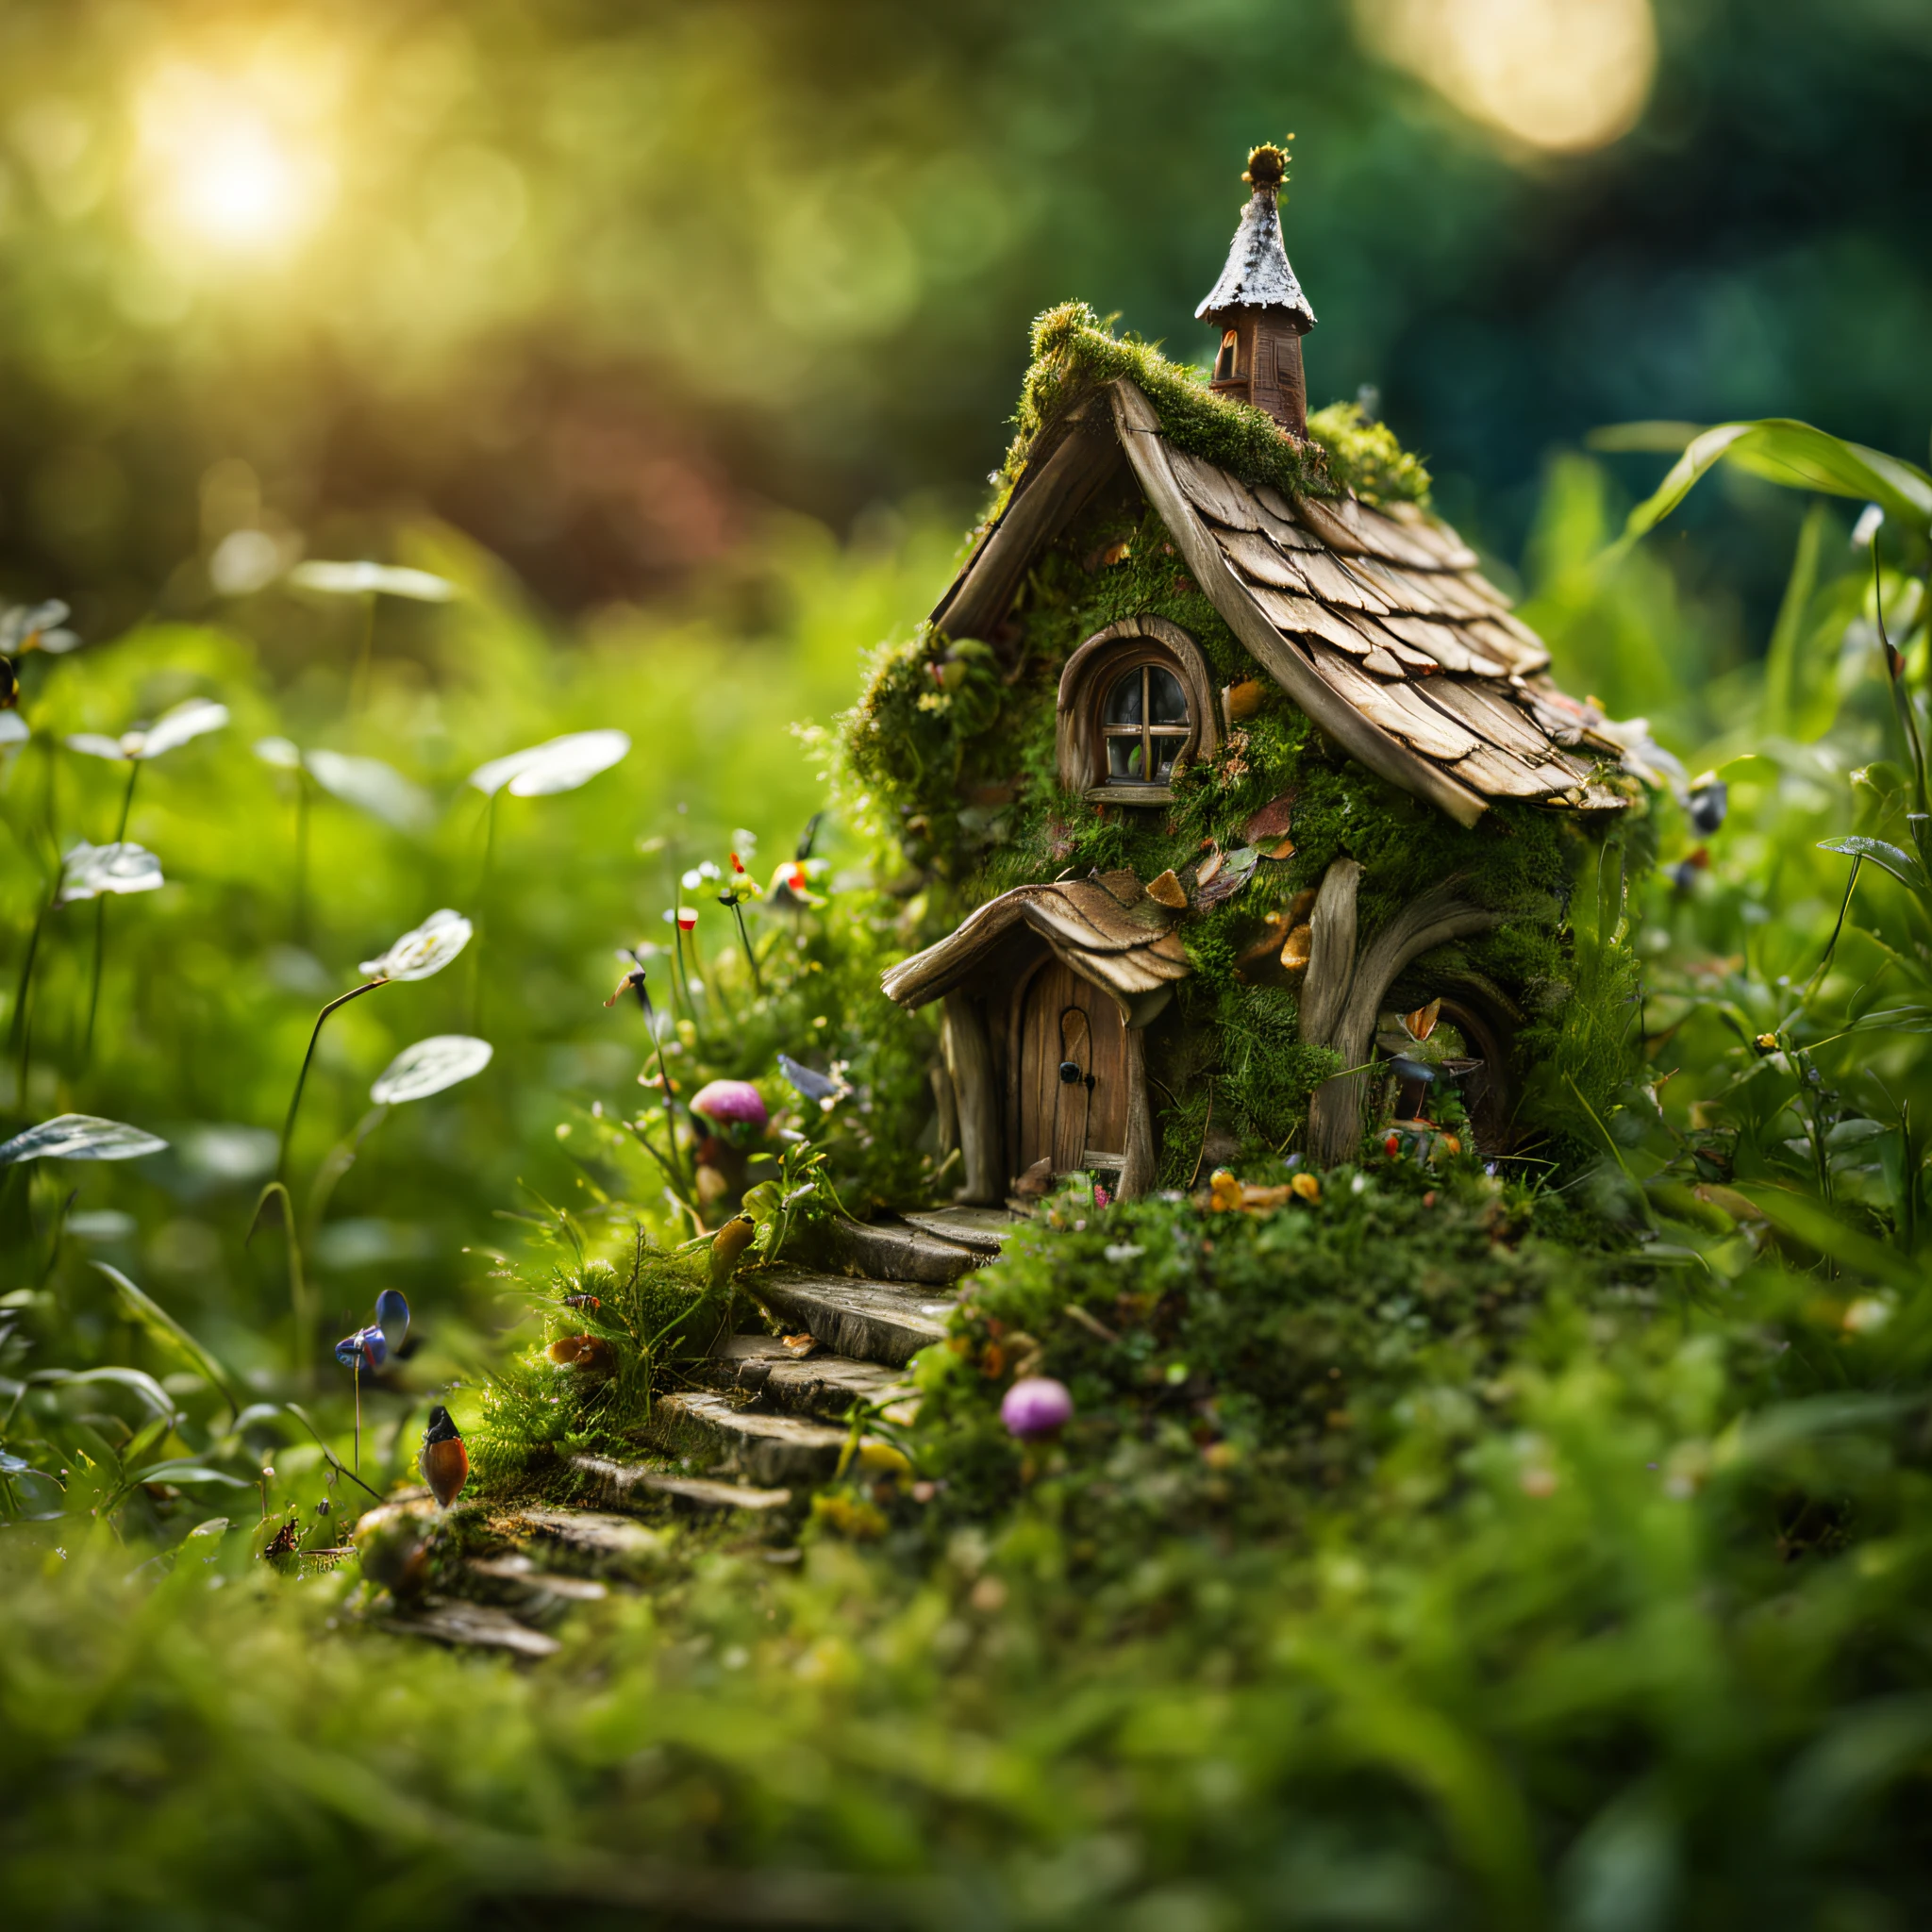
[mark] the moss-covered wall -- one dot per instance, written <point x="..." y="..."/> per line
<point x="952" y="749"/>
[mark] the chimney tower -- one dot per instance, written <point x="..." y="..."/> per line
<point x="1259" y="308"/>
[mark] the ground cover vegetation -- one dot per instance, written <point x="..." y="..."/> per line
<point x="1427" y="1544"/>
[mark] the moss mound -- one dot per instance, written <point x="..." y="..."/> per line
<point x="1073" y="349"/>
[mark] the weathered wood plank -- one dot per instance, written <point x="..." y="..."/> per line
<point x="1493" y="716"/>
<point x="1052" y="490"/>
<point x="1331" y="950"/>
<point x="1140" y="431"/>
<point x="1439" y="916"/>
<point x="969" y="1061"/>
<point x="1449" y="549"/>
<point x="1395" y="708"/>
<point x="1213" y="491"/>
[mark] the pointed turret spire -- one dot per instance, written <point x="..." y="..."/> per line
<point x="1259" y="305"/>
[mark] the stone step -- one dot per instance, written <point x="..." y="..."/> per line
<point x="529" y="1590"/>
<point x="456" y="1621"/>
<point x="590" y="1540"/>
<point x="891" y="1251"/>
<point x="631" y="1485"/>
<point x="873" y="1320"/>
<point x="985" y="1230"/>
<point x="766" y="1448"/>
<point x="821" y="1384"/>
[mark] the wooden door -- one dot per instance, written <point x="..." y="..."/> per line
<point x="1069" y="1073"/>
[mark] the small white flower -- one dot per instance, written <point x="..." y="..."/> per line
<point x="559" y="764"/>
<point x="372" y="786"/>
<point x="1866" y="529"/>
<point x="80" y="1137"/>
<point x="424" y="951"/>
<point x="33" y="627"/>
<point x="354" y="579"/>
<point x="429" y="1066"/>
<point x="171" y="729"/>
<point x="88" y="870"/>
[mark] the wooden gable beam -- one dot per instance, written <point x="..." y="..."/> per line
<point x="1049" y="495"/>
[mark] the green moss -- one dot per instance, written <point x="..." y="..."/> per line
<point x="1243" y="1361"/>
<point x="640" y="1321"/>
<point x="1073" y="350"/>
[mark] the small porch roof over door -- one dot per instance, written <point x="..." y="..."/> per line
<point x="1104" y="928"/>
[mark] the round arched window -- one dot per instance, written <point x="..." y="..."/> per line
<point x="1145" y="724"/>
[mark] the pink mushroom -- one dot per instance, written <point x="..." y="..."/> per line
<point x="1036" y="1406"/>
<point x="731" y="1105"/>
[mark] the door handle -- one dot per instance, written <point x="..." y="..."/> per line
<point x="1071" y="1075"/>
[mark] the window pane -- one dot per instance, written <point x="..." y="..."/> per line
<point x="1124" y="759"/>
<point x="1165" y="751"/>
<point x="1123" y="699"/>
<point x="1169" y="703"/>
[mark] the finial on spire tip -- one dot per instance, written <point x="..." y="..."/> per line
<point x="1267" y="166"/>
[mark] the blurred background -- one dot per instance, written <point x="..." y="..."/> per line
<point x="600" y="283"/>
<point x="677" y="342"/>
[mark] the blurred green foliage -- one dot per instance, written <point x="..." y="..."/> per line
<point x="588" y="280"/>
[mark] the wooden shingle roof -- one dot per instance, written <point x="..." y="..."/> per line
<point x="1106" y="928"/>
<point x="1376" y="622"/>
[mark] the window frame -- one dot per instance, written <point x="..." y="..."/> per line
<point x="1088" y="677"/>
<point x="1150" y="657"/>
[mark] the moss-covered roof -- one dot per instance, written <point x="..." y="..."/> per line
<point x="1074" y="350"/>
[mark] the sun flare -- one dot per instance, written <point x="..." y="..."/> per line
<point x="227" y="163"/>
<point x="1560" y="76"/>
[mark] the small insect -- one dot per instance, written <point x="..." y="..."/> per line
<point x="581" y="1301"/>
<point x="287" y="1542"/>
<point x="445" y="1461"/>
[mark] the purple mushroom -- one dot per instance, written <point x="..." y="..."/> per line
<point x="1036" y="1406"/>
<point x="733" y="1107"/>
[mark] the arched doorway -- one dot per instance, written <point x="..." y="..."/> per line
<point x="1070" y="1073"/>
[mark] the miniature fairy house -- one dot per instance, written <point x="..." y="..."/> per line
<point x="1225" y="756"/>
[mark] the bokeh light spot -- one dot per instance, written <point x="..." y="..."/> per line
<point x="1560" y="76"/>
<point x="225" y="165"/>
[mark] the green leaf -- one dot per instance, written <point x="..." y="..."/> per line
<point x="144" y="1310"/>
<point x="1785" y="666"/>
<point x="183" y="1469"/>
<point x="1813" y="1224"/>
<point x="157" y="1398"/>
<point x="1904" y="866"/>
<point x="1795" y="454"/>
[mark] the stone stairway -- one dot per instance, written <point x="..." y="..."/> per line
<point x="770" y="1412"/>
<point x="764" y="1419"/>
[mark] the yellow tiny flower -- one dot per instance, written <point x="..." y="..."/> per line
<point x="1307" y="1186"/>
